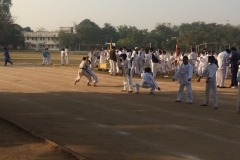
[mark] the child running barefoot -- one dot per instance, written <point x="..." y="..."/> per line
<point x="210" y="73"/>
<point x="147" y="82"/>
<point x="184" y="74"/>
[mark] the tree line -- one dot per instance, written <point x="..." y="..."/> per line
<point x="164" y="35"/>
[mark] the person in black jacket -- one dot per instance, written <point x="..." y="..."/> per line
<point x="234" y="67"/>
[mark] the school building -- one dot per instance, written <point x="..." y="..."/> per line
<point x="44" y="39"/>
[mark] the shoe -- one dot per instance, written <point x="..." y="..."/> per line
<point x="215" y="107"/>
<point x="130" y="91"/>
<point x="203" y="104"/>
<point x="123" y="90"/>
<point x="217" y="86"/>
<point x="222" y="87"/>
<point x="190" y="102"/>
<point x="136" y="93"/>
<point x="177" y="101"/>
<point x="234" y="87"/>
<point x="151" y="93"/>
<point x="238" y="112"/>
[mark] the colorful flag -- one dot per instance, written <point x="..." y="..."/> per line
<point x="177" y="48"/>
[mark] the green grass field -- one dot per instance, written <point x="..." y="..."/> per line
<point x="35" y="58"/>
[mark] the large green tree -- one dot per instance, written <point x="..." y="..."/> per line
<point x="88" y="32"/>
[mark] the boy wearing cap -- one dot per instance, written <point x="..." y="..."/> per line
<point x="147" y="82"/>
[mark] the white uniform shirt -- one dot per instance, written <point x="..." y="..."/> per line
<point x="223" y="59"/>
<point x="192" y="58"/>
<point x="210" y="71"/>
<point x="184" y="73"/>
<point x="141" y="55"/>
<point x="126" y="66"/>
<point x="129" y="55"/>
<point x="148" y="78"/>
<point x="135" y="56"/>
<point x="148" y="57"/>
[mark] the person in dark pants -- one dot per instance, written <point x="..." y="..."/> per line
<point x="7" y="56"/>
<point x="234" y="67"/>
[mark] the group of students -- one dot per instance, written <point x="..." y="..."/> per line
<point x="208" y="64"/>
<point x="64" y="56"/>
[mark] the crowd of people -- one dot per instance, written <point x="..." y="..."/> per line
<point x="146" y="63"/>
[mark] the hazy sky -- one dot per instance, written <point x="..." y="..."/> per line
<point x="144" y="14"/>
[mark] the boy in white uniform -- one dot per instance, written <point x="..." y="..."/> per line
<point x="223" y="61"/>
<point x="90" y="71"/>
<point x="127" y="73"/>
<point x="62" y="56"/>
<point x="147" y="82"/>
<point x="184" y="74"/>
<point x="210" y="72"/>
<point x="155" y="61"/>
<point x="148" y="58"/>
<point x="135" y="61"/>
<point x="141" y="60"/>
<point x="82" y="71"/>
<point x="67" y="55"/>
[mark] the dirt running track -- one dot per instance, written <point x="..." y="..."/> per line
<point x="102" y="123"/>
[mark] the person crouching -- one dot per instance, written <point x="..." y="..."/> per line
<point x="147" y="81"/>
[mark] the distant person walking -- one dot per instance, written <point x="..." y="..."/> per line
<point x="67" y="55"/>
<point x="7" y="56"/>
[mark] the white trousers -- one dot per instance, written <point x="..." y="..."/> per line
<point x="83" y="73"/>
<point x="62" y="59"/>
<point x="67" y="58"/>
<point x="211" y="86"/>
<point x="135" y="67"/>
<point x="95" y="78"/>
<point x="189" y="95"/>
<point x="127" y="82"/>
<point x="221" y="74"/>
<point x="44" y="60"/>
<point x="145" y="85"/>
<point x="140" y="67"/>
<point x="112" y="67"/>
<point x="154" y="69"/>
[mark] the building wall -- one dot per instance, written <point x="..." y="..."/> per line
<point x="41" y="40"/>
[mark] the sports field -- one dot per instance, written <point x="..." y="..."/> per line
<point x="103" y="123"/>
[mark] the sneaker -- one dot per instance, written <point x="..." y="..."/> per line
<point x="151" y="93"/>
<point x="124" y="90"/>
<point x="222" y="87"/>
<point x="136" y="93"/>
<point x="190" y="102"/>
<point x="130" y="91"/>
<point x="215" y="107"/>
<point x="177" y="101"/>
<point x="203" y="104"/>
<point x="234" y="87"/>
